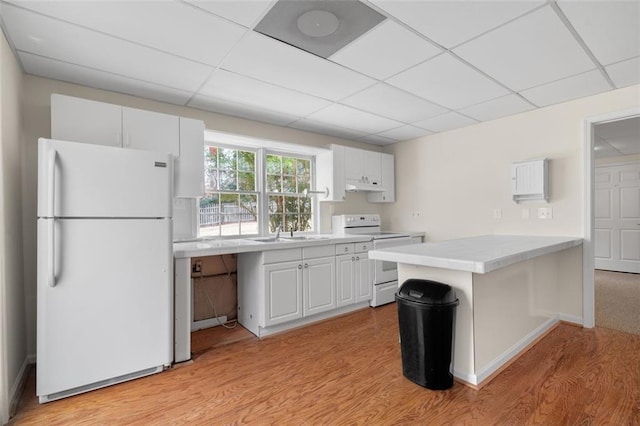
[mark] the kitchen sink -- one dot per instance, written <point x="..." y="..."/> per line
<point x="271" y="240"/>
<point x="305" y="237"/>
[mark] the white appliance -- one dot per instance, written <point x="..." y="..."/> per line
<point x="105" y="266"/>
<point x="384" y="274"/>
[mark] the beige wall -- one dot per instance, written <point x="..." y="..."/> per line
<point x="12" y="302"/>
<point x="36" y="99"/>
<point x="454" y="180"/>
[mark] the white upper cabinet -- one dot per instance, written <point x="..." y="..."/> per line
<point x="83" y="120"/>
<point x="529" y="181"/>
<point x="387" y="180"/>
<point x="189" y="166"/>
<point x="150" y="131"/>
<point x="362" y="166"/>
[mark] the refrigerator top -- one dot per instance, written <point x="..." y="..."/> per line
<point x="79" y="180"/>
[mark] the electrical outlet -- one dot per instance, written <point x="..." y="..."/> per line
<point x="197" y="267"/>
<point x="497" y="214"/>
<point x="545" y="213"/>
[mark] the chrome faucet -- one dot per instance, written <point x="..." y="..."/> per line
<point x="278" y="229"/>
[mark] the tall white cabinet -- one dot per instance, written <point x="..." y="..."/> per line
<point x="353" y="279"/>
<point x="87" y="121"/>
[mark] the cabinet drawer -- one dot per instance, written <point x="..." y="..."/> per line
<point x="317" y="251"/>
<point x="286" y="255"/>
<point x="363" y="247"/>
<point x="348" y="248"/>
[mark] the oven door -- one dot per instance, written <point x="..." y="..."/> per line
<point x="387" y="271"/>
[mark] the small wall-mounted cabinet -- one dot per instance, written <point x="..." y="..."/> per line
<point x="83" y="120"/>
<point x="342" y="169"/>
<point x="530" y="181"/>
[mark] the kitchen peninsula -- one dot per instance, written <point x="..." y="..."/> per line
<point x="512" y="291"/>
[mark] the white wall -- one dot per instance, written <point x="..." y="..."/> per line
<point x="37" y="104"/>
<point x="13" y="348"/>
<point x="456" y="179"/>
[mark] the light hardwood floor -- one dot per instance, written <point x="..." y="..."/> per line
<point x="348" y="371"/>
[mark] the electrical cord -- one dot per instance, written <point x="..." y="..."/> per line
<point x="212" y="305"/>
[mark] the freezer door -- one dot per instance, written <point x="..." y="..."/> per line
<point x="85" y="180"/>
<point x="108" y="311"/>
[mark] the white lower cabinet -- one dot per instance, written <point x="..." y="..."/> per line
<point x="280" y="286"/>
<point x="353" y="278"/>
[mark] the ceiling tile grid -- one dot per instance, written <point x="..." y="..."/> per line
<point x="427" y="67"/>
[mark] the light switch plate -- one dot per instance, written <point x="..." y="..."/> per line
<point x="497" y="213"/>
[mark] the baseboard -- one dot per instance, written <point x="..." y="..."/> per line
<point x="208" y="323"/>
<point x="571" y="318"/>
<point x="18" y="386"/>
<point x="511" y="354"/>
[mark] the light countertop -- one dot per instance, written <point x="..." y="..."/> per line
<point x="212" y="247"/>
<point x="476" y="254"/>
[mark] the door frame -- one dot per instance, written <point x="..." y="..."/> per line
<point x="588" y="259"/>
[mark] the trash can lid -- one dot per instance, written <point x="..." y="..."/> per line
<point x="427" y="292"/>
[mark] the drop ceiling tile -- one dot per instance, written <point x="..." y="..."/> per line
<point x="450" y="23"/>
<point x="388" y="101"/>
<point x="448" y="82"/>
<point x="32" y="33"/>
<point x="245" y="12"/>
<point x="238" y="88"/>
<point x="385" y="50"/>
<point x="574" y="87"/>
<point x="274" y="62"/>
<point x="625" y="73"/>
<point x="325" y="129"/>
<point x="444" y="122"/>
<point x="611" y="29"/>
<point x="56" y="70"/>
<point x="175" y="28"/>
<point x="404" y="133"/>
<point x="533" y="50"/>
<point x="241" y="110"/>
<point x="377" y="140"/>
<point x="496" y="108"/>
<point x="350" y="118"/>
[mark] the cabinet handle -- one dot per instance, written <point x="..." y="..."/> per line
<point x="357" y="257"/>
<point x="346" y="249"/>
<point x="299" y="266"/>
<point x="306" y="265"/>
<point x="364" y="247"/>
<point x="353" y="259"/>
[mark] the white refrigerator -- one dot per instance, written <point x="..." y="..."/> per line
<point x="105" y="266"/>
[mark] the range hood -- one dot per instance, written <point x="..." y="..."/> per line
<point x="363" y="187"/>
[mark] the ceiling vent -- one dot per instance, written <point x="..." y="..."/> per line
<point x="321" y="27"/>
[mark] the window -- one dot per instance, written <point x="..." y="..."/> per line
<point x="236" y="192"/>
<point x="230" y="205"/>
<point x="287" y="178"/>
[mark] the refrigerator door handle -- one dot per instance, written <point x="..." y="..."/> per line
<point x="51" y="230"/>
<point x="53" y="156"/>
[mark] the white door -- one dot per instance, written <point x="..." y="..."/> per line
<point x="353" y="164"/>
<point x="345" y="279"/>
<point x="319" y="285"/>
<point x="283" y="293"/>
<point x="150" y="131"/>
<point x="83" y="180"/>
<point x="364" y="283"/>
<point x="82" y="120"/>
<point x="372" y="171"/>
<point x="617" y="218"/>
<point x="109" y="310"/>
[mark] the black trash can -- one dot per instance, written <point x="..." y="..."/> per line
<point x="426" y="317"/>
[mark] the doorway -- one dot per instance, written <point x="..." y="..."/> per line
<point x="614" y="222"/>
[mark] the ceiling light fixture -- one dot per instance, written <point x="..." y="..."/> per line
<point x="318" y="23"/>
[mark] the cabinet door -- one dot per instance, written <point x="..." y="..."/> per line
<point x="150" y="131"/>
<point x="353" y="164"/>
<point x="372" y="167"/>
<point x="364" y="285"/>
<point x="189" y="167"/>
<point x="82" y="120"/>
<point x="387" y="178"/>
<point x="319" y="285"/>
<point x="283" y="295"/>
<point x="345" y="279"/>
